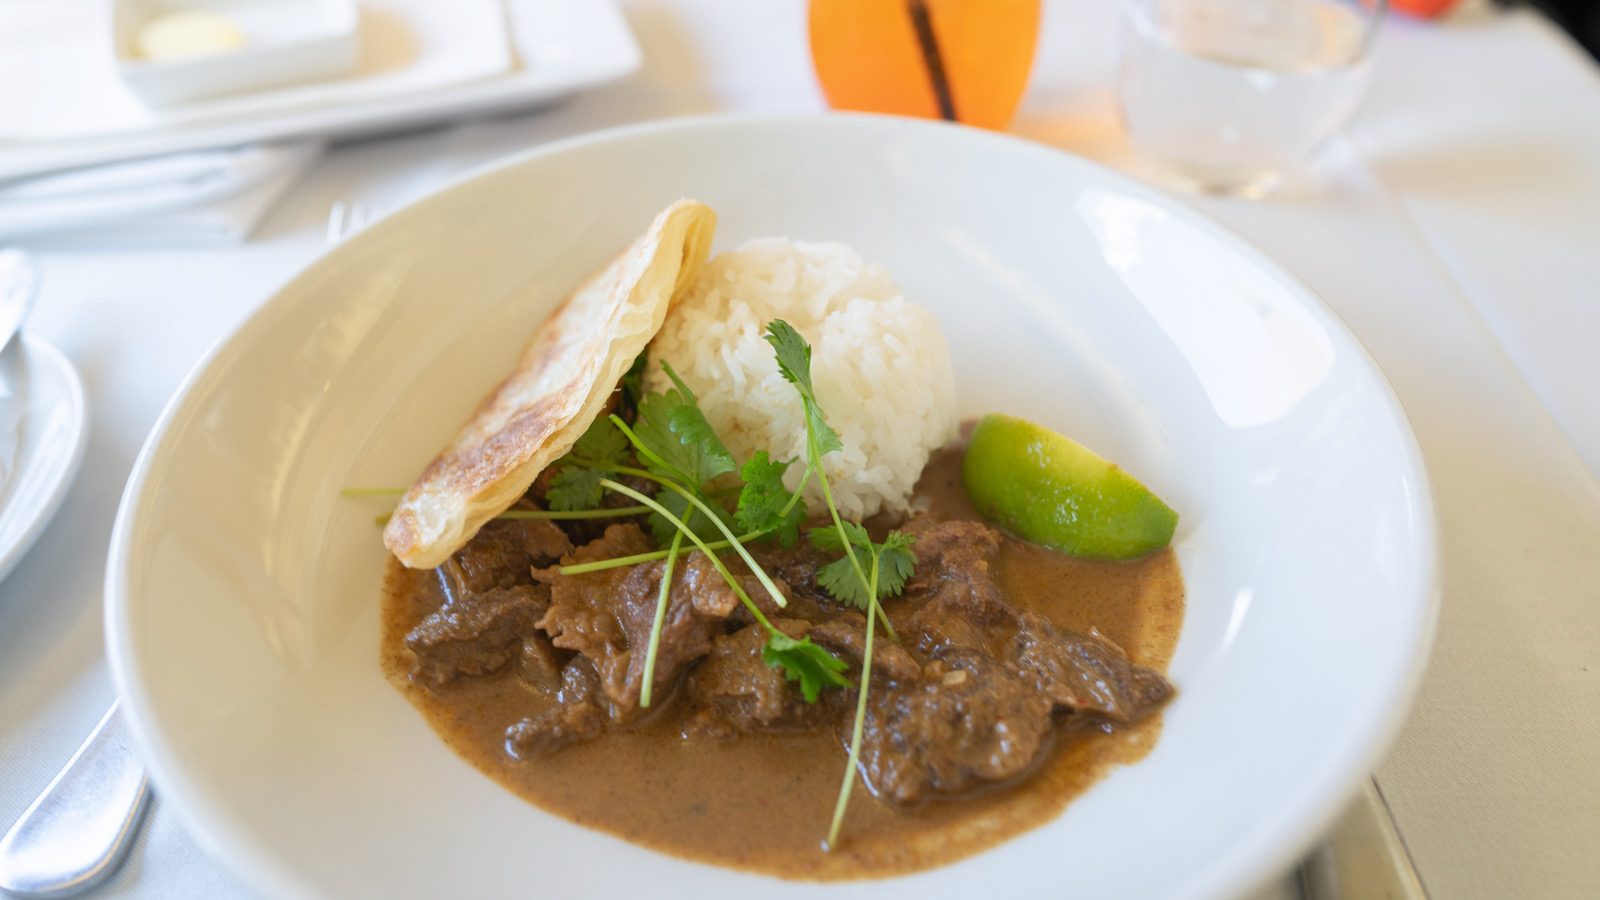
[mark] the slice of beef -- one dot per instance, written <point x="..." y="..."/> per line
<point x="736" y="692"/>
<point x="502" y="555"/>
<point x="847" y="637"/>
<point x="539" y="663"/>
<point x="607" y="615"/>
<point x="477" y="634"/>
<point x="970" y="721"/>
<point x="935" y="537"/>
<point x="1086" y="675"/>
<point x="796" y="567"/>
<point x="958" y="595"/>
<point x="577" y="716"/>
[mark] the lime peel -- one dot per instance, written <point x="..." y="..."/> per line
<point x="1049" y="489"/>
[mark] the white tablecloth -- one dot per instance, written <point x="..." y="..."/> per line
<point x="1456" y="228"/>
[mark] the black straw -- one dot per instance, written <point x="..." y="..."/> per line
<point x="931" y="58"/>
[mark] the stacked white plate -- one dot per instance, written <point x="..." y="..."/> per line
<point x="419" y="61"/>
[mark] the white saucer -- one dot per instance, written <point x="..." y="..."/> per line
<point x="53" y="433"/>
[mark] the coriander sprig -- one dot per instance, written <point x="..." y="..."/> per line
<point x="658" y="621"/>
<point x="801" y="660"/>
<point x="683" y="454"/>
<point x="889" y="563"/>
<point x="857" y="727"/>
<point x="794" y="363"/>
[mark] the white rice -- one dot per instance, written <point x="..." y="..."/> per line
<point x="879" y="364"/>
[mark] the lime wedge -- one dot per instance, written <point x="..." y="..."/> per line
<point x="1053" y="491"/>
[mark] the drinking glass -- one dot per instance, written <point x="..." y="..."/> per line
<point x="1230" y="94"/>
<point x="962" y="60"/>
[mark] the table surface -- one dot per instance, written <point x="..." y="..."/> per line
<point x="1455" y="227"/>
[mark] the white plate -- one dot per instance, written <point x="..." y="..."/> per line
<point x="559" y="47"/>
<point x="283" y="41"/>
<point x="51" y="437"/>
<point x="242" y="590"/>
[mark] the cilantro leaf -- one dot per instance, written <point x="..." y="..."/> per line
<point x="603" y="442"/>
<point x="576" y="485"/>
<point x="839" y="579"/>
<point x="828" y="538"/>
<point x="660" y="526"/>
<point x="763" y="499"/>
<point x="804" y="662"/>
<point x="793" y="353"/>
<point x="678" y="445"/>
<point x="896" y="563"/>
<point x="690" y="424"/>
<point x="794" y="362"/>
<point x="678" y="505"/>
<point x="680" y="442"/>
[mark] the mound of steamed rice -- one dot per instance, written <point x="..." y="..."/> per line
<point x="879" y="364"/>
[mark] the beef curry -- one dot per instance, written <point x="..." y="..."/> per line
<point x="1020" y="675"/>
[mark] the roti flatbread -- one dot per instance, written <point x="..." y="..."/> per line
<point x="559" y="387"/>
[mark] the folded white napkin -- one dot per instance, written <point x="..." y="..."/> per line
<point x="205" y="197"/>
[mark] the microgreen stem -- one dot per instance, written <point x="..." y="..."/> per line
<point x="639" y="446"/>
<point x="794" y="498"/>
<point x="827" y="495"/>
<point x="635" y="559"/>
<point x="661" y="616"/>
<point x="760" y="573"/>
<point x="612" y="467"/>
<point x="861" y="712"/>
<point x="710" y="554"/>
<point x="629" y="470"/>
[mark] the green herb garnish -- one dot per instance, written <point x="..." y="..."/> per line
<point x="804" y="662"/>
<point x="576" y="485"/>
<point x="888" y="564"/>
<point x="895" y="561"/>
<point x="765" y="505"/>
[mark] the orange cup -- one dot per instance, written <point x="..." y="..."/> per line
<point x="963" y="60"/>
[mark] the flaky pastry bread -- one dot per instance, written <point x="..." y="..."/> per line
<point x="560" y="385"/>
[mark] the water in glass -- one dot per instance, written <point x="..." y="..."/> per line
<point x="1228" y="94"/>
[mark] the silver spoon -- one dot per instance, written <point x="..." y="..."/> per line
<point x="79" y="830"/>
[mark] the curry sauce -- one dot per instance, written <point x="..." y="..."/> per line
<point x="762" y="801"/>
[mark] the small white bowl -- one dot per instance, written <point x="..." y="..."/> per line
<point x="284" y="41"/>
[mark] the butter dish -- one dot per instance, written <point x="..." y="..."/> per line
<point x="172" y="51"/>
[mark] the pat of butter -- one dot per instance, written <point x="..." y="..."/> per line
<point x="187" y="35"/>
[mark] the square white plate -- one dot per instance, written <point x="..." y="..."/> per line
<point x="453" y="61"/>
<point x="284" y="41"/>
